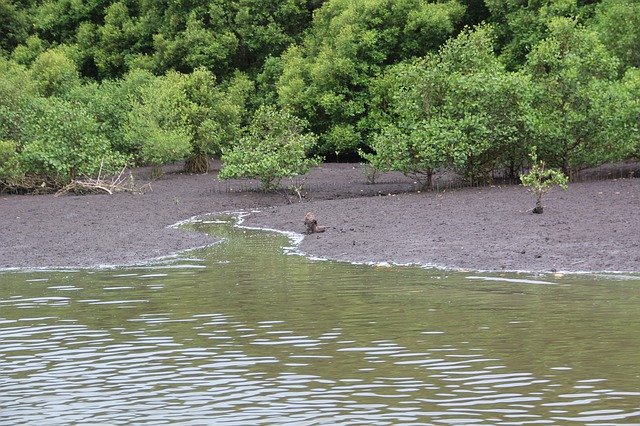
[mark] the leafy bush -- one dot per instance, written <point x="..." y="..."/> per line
<point x="110" y="102"/>
<point x="198" y="117"/>
<point x="13" y="25"/>
<point x="417" y="151"/>
<point x="26" y="53"/>
<point x="63" y="141"/>
<point x="215" y="115"/>
<point x="164" y="146"/>
<point x="631" y="112"/>
<point x="157" y="124"/>
<point x="273" y="148"/>
<point x="10" y="167"/>
<point x="618" y="26"/>
<point x="442" y="111"/>
<point x="54" y="73"/>
<point x="540" y="180"/>
<point x="581" y="110"/>
<point x="343" y="138"/>
<point x="16" y="93"/>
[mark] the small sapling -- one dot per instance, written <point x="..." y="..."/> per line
<point x="540" y="180"/>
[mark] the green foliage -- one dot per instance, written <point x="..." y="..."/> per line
<point x="417" y="151"/>
<point x="199" y="117"/>
<point x="618" y="25"/>
<point x="215" y="114"/>
<point x="441" y="111"/>
<point x="13" y="25"/>
<point x="54" y="73"/>
<point x="194" y="46"/>
<point x="326" y="78"/>
<point x="488" y="106"/>
<point x="266" y="28"/>
<point x="157" y="124"/>
<point x="16" y="93"/>
<point x="630" y="113"/>
<point x="274" y="147"/>
<point x="62" y="140"/>
<point x="580" y="107"/>
<point x="401" y="81"/>
<point x="344" y="138"/>
<point x="267" y="79"/>
<point x="10" y="167"/>
<point x="222" y="36"/>
<point x="522" y="24"/>
<point x="113" y="45"/>
<point x="164" y="146"/>
<point x="540" y="180"/>
<point x="110" y="103"/>
<point x="57" y="20"/>
<point x="26" y="53"/>
<point x="181" y="116"/>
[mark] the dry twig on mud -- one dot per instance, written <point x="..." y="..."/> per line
<point x="295" y="188"/>
<point x="30" y="184"/>
<point x="119" y="183"/>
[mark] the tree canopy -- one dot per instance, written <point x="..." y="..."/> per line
<point x="410" y="85"/>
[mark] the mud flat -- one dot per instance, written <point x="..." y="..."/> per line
<point x="594" y="226"/>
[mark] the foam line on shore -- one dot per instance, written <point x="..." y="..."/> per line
<point x="294" y="249"/>
<point x="297" y="238"/>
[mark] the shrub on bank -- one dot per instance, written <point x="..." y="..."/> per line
<point x="50" y="137"/>
<point x="539" y="180"/>
<point x="63" y="141"/>
<point x="185" y="116"/>
<point x="581" y="108"/>
<point x="10" y="167"/>
<point x="458" y="109"/>
<point x="461" y="110"/>
<point x="274" y="147"/>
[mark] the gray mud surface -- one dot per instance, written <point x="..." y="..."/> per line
<point x="594" y="226"/>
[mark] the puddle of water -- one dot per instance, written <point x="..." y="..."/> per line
<point x="241" y="334"/>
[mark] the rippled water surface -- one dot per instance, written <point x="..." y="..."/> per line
<point x="242" y="334"/>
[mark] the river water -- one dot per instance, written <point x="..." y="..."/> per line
<point x="241" y="333"/>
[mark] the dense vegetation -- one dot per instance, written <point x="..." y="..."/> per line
<point x="410" y="85"/>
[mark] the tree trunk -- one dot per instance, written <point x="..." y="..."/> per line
<point x="428" y="185"/>
<point x="538" y="209"/>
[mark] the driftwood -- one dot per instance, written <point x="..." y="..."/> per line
<point x="99" y="185"/>
<point x="30" y="184"/>
<point x="311" y="223"/>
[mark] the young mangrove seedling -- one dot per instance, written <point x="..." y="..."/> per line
<point x="539" y="180"/>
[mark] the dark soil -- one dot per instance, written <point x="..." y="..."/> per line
<point x="594" y="226"/>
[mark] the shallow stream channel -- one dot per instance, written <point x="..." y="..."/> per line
<point x="247" y="332"/>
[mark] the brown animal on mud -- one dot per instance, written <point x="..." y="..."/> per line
<point x="312" y="224"/>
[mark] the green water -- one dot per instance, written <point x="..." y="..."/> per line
<point x="242" y="334"/>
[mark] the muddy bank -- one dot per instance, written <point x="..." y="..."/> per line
<point x="93" y="230"/>
<point x="595" y="226"/>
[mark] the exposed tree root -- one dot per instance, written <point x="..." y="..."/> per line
<point x="197" y="164"/>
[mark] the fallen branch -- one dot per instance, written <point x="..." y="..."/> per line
<point x="30" y="184"/>
<point x="119" y="183"/>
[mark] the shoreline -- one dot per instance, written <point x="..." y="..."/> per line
<point x="296" y="239"/>
<point x="592" y="228"/>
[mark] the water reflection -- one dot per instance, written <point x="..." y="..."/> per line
<point x="240" y="334"/>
